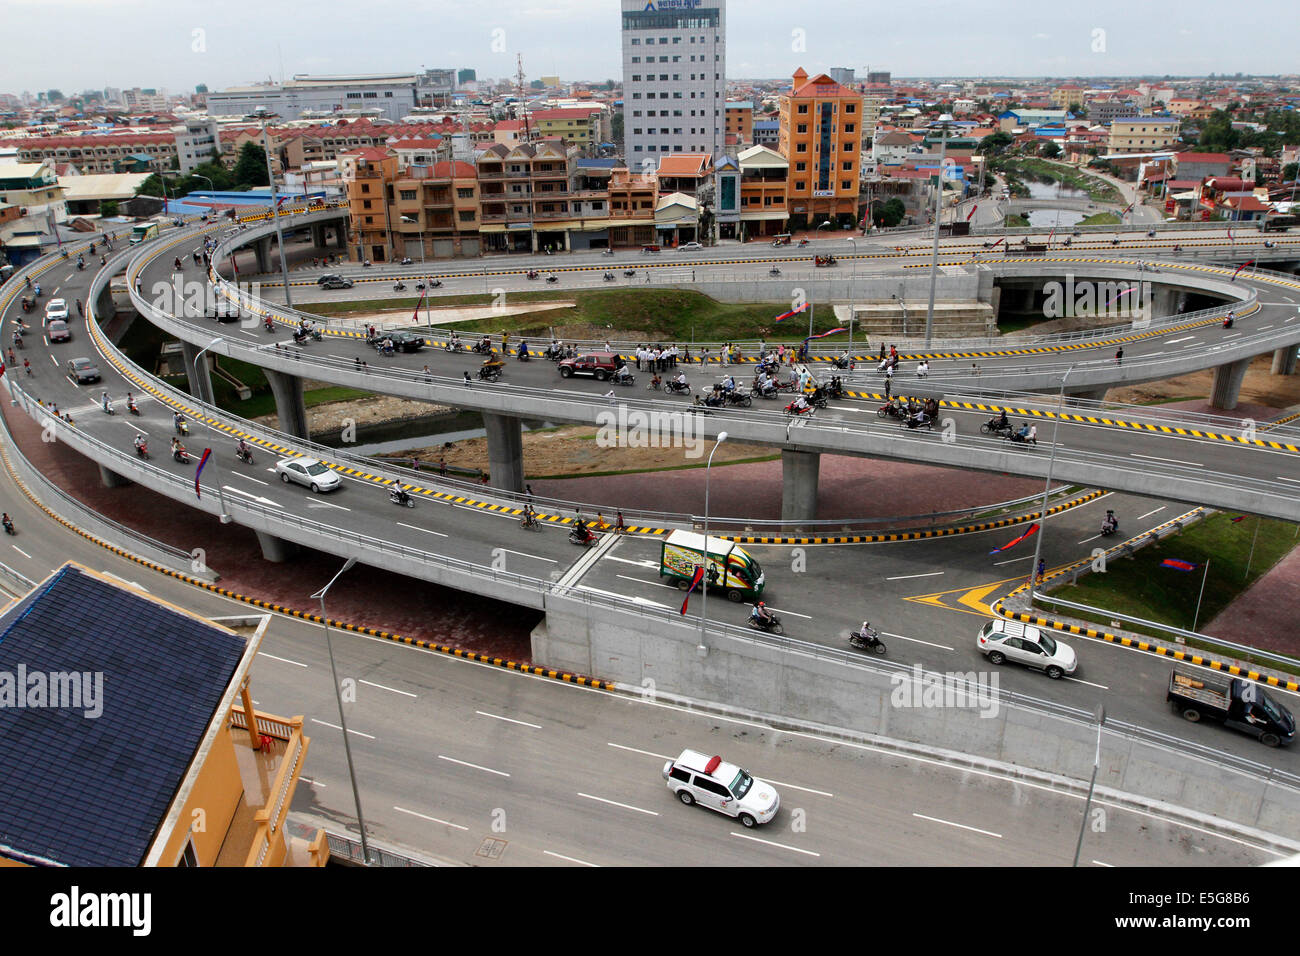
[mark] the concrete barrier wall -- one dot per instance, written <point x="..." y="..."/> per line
<point x="758" y="676"/>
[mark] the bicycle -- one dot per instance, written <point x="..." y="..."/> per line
<point x="528" y="520"/>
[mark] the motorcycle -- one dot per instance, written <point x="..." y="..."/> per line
<point x="795" y="410"/>
<point x="268" y="324"/>
<point x="405" y="261"/>
<point x="1108" y="529"/>
<point x="552" y="278"/>
<point x="27" y="304"/>
<point x="842" y="363"/>
<point x="81" y="264"/>
<point x="532" y="274"/>
<point x="609" y="277"/>
<point x="142" y="450"/>
<point x="867" y="640"/>
<point x="244" y="455"/>
<point x="675" y="387"/>
<point x="608" y="252"/>
<point x="582" y="536"/>
<point x="490" y="373"/>
<point x="182" y="427"/>
<point x="737" y="397"/>
<point x="768" y="627"/>
<point x="399" y="286"/>
<point x="9" y="526"/>
<point x="916" y="421"/>
<point x="802" y="243"/>
<point x="133" y="408"/>
<point x="892" y="409"/>
<point x="108" y="408"/>
<point x="18" y="340"/>
<point x="400" y="496"/>
<point x="774" y="271"/>
<point x="453" y="347"/>
<point x="994" y="426"/>
<point x="522" y="355"/>
<point x="181" y="455"/>
<point x="483" y="348"/>
<point x="628" y="379"/>
<point x="629" y="272"/>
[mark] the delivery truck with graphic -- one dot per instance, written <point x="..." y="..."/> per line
<point x="143" y="232"/>
<point x="1239" y="704"/>
<point x="731" y="569"/>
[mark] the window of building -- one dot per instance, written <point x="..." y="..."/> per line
<point x="801" y="147"/>
<point x="467" y="215"/>
<point x="800" y="167"/>
<point x="803" y="108"/>
<point x="677" y="39"/>
<point x="464" y="193"/>
<point x="678" y="149"/>
<point x="406" y="194"/>
<point x="663" y="59"/>
<point x="848" y="166"/>
<point x="848" y="127"/>
<point x="801" y="128"/>
<point x="365" y="187"/>
<point x="663" y="77"/>
<point x="800" y="185"/>
<point x="636" y="77"/>
<point x="636" y="59"/>
<point x="636" y="42"/>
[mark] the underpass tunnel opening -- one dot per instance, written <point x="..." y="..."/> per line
<point x="1078" y="301"/>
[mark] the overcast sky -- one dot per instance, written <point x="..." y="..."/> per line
<point x="179" y="43"/>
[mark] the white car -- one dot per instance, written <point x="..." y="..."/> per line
<point x="1004" y="640"/>
<point x="721" y="786"/>
<point x="689" y="247"/>
<point x="307" y="471"/>
<point x="56" y="309"/>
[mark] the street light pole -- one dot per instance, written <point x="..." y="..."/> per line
<point x="1100" y="714"/>
<point x="934" y="258"/>
<point x="704" y="583"/>
<point x="338" y="697"/>
<point x="1051" y="466"/>
<point x="275" y="216"/>
<point x="221" y="495"/>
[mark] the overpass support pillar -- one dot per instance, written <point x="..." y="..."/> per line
<point x="799" y="473"/>
<point x="1284" y="361"/>
<point x="262" y="249"/>
<point x="200" y="378"/>
<point x="505" y="436"/>
<point x="289" y="405"/>
<point x="1227" y="384"/>
<point x="318" y="235"/>
<point x="112" y="479"/>
<point x="341" y="237"/>
<point x="276" y="549"/>
<point x="1164" y="301"/>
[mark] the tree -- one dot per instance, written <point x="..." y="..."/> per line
<point x="108" y="208"/>
<point x="996" y="143"/>
<point x="1289" y="172"/>
<point x="890" y="214"/>
<point x="250" y="167"/>
<point x="616" y="127"/>
<point x="1051" y="150"/>
<point x="54" y="96"/>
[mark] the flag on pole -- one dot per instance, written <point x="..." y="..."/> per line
<point x="1238" y="518"/>
<point x="972" y="212"/>
<point x="1230" y="235"/>
<point x="1050" y="235"/>
<point x="207" y="452"/>
<point x="787" y="315"/>
<point x="696" y="578"/>
<point x="998" y="243"/>
<point x="1242" y="266"/>
<point x="1178" y="565"/>
<point x="415" y="316"/>
<point x="1033" y="529"/>
<point x="822" y="335"/>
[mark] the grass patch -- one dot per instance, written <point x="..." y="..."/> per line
<point x="1100" y="219"/>
<point x="1098" y="190"/>
<point x="657" y="315"/>
<point x="1015" y="222"/>
<point x="1140" y="587"/>
<point x="642" y="471"/>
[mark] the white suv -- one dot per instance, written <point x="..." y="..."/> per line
<point x="1002" y="640"/>
<point x="721" y="786"/>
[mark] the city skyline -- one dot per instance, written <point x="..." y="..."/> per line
<point x="181" y="45"/>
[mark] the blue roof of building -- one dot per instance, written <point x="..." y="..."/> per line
<point x="767" y="124"/>
<point x="92" y="791"/>
<point x="600" y="163"/>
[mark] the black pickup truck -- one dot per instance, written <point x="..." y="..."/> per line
<point x="1239" y="704"/>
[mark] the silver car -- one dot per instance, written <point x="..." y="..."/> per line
<point x="1004" y="640"/>
<point x="316" y="475"/>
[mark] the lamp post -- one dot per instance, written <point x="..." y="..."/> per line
<point x="938" y="210"/>
<point x="704" y="602"/>
<point x="338" y="697"/>
<point x="853" y="277"/>
<point x="424" y="268"/>
<point x="275" y="216"/>
<point x="198" y="373"/>
<point x="205" y="179"/>
<point x="1100" y="714"/>
<point x="1051" y="466"/>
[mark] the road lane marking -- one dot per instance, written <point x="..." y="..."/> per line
<point x="1172" y="461"/>
<point x="325" y="723"/>
<point x="961" y="826"/>
<point x="463" y="763"/>
<point x="249" y="494"/>
<point x="795" y="786"/>
<point x="240" y="474"/>
<point x="639" y="564"/>
<point x="782" y="846"/>
<point x="621" y="597"/>
<point x="1086" y="683"/>
<point x="1185" y="338"/>
<point x="283" y="660"/>
<point x="22" y="552"/>
<point x="916" y="640"/>
<point x="403" y="524"/>
<point x="525" y="554"/>
<point x="1099" y="863"/>
<point x="110" y="574"/>
<point x="648" y="753"/>
<point x="1150" y="513"/>
<point x="615" y="803"/>
<point x="384" y="687"/>
<point x="570" y="859"/>
<point x="326" y="504"/>
<point x="509" y="720"/>
<point x="422" y="816"/>
<point x="1027" y="557"/>
<point x="908" y="577"/>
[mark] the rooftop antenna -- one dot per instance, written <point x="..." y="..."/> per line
<point x="519" y="60"/>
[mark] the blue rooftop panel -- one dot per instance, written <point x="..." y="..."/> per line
<point x="92" y="791"/>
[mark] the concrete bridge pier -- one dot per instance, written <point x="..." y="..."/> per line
<point x="275" y="549"/>
<point x="799" y="475"/>
<point x="289" y="405"/>
<point x="200" y="378"/>
<point x="1164" y="301"/>
<point x="505" y="436"/>
<point x="1227" y="384"/>
<point x="318" y="235"/>
<point x="262" y="250"/>
<point x="341" y="237"/>
<point x="1097" y="394"/>
<point x="1284" y="361"/>
<point x="112" y="479"/>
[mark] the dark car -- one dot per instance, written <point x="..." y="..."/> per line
<point x="402" y="341"/>
<point x="602" y="365"/>
<point x="58" y="331"/>
<point x="321" y="280"/>
<point x="336" y="282"/>
<point x="83" y="370"/>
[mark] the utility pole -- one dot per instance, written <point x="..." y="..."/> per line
<point x="519" y="75"/>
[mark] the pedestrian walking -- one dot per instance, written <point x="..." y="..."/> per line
<point x="1119" y="355"/>
<point x="889" y="387"/>
<point x="80" y="313"/>
<point x="1042" y="569"/>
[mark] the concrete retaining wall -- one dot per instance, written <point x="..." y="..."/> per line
<point x="755" y="676"/>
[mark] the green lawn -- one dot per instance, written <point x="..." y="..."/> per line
<point x="663" y="315"/>
<point x="1141" y="587"/>
<point x="1100" y="219"/>
<point x="1015" y="222"/>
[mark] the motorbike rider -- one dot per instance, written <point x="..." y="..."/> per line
<point x="761" y="614"/>
<point x="799" y="405"/>
<point x="1001" y="424"/>
<point x="621" y="373"/>
<point x="139" y="442"/>
<point x="105" y="401"/>
<point x="729" y="383"/>
<point x="130" y="404"/>
<point x="242" y="449"/>
<point x="1110" y="523"/>
<point x="680" y="380"/>
<point x="178" y="450"/>
<point x="656" y="381"/>
<point x="7" y="521"/>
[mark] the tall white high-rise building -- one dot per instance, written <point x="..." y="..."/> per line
<point x="674" y="78"/>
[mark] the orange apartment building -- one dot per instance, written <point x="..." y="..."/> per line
<point x="366" y="174"/>
<point x="740" y="121"/>
<point x="435" y="210"/>
<point x="144" y="756"/>
<point x="632" y="201"/>
<point x="821" y="137"/>
<point x="764" y="182"/>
